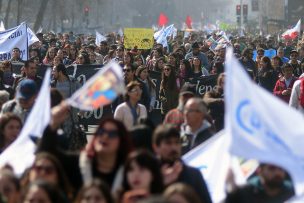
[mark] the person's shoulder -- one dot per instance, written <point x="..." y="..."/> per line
<point x="7" y="105"/>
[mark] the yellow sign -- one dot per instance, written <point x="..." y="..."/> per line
<point x="140" y="37"/>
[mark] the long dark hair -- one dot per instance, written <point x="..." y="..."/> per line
<point x="146" y="160"/>
<point x="125" y="145"/>
<point x="188" y="68"/>
<point x="4" y="120"/>
<point x="169" y="83"/>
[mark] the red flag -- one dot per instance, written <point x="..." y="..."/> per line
<point x="189" y="22"/>
<point x="162" y="20"/>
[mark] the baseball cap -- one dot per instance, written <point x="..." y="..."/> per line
<point x="26" y="89"/>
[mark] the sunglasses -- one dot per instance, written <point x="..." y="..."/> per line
<point x="167" y="69"/>
<point x="47" y="169"/>
<point x="110" y="133"/>
<point x="126" y="70"/>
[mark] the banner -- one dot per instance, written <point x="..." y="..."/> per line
<point x="83" y="72"/>
<point x="140" y="37"/>
<point x="14" y="37"/>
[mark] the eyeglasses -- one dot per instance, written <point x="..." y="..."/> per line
<point x="126" y="70"/>
<point x="110" y="133"/>
<point x="167" y="69"/>
<point x="47" y="169"/>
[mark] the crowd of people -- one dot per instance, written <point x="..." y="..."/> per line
<point x="129" y="158"/>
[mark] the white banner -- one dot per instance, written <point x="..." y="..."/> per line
<point x="14" y="37"/>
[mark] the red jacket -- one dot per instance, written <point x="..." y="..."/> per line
<point x="280" y="86"/>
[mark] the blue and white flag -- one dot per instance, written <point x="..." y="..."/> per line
<point x="14" y="37"/>
<point x="99" y="38"/>
<point x="20" y="154"/>
<point x="32" y="38"/>
<point x="161" y="36"/>
<point x="213" y="159"/>
<point x="261" y="126"/>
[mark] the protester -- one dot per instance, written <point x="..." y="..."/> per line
<point x="295" y="63"/>
<point x="142" y="173"/>
<point x="10" y="127"/>
<point x="267" y="77"/>
<point x="270" y="185"/>
<point x="4" y="97"/>
<point x="24" y="101"/>
<point x="167" y="146"/>
<point x="130" y="112"/>
<point x="50" y="55"/>
<point x="96" y="191"/>
<point x="9" y="186"/>
<point x="284" y="85"/>
<point x="16" y="56"/>
<point x="168" y="92"/>
<point x="196" y="52"/>
<point x="182" y="193"/>
<point x="7" y="68"/>
<point x="214" y="100"/>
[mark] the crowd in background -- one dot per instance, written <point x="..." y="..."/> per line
<point x="129" y="158"/>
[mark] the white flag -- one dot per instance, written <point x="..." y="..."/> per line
<point x="32" y="38"/>
<point x="99" y="38"/>
<point x="20" y="154"/>
<point x="261" y="126"/>
<point x="213" y="159"/>
<point x="14" y="37"/>
<point x="2" y="28"/>
<point x="293" y="32"/>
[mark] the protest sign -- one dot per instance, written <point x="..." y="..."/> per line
<point x="140" y="37"/>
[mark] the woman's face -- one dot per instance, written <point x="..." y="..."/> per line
<point x="36" y="195"/>
<point x="167" y="71"/>
<point x="8" y="189"/>
<point x="56" y="61"/>
<point x="72" y="50"/>
<point x="93" y="195"/>
<point x="156" y="54"/>
<point x="139" y="177"/>
<point x="52" y="53"/>
<point x="92" y="57"/>
<point x="171" y="60"/>
<point x="45" y="170"/>
<point x="80" y="60"/>
<point x="11" y="130"/>
<point x="107" y="139"/>
<point x="177" y="198"/>
<point x="144" y="74"/>
<point x="60" y="54"/>
<point x="139" y="62"/>
<point x="182" y="66"/>
<point x="275" y="62"/>
<point x="263" y="64"/>
<point x="196" y="62"/>
<point x="135" y="94"/>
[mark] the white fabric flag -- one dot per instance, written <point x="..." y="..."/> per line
<point x="162" y="36"/>
<point x="213" y="159"/>
<point x="40" y="29"/>
<point x="99" y="38"/>
<point x="2" y="28"/>
<point x="32" y="38"/>
<point x="14" y="37"/>
<point x="20" y="154"/>
<point x="261" y="126"/>
<point x="293" y="32"/>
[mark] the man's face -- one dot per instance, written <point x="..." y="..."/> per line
<point x="128" y="74"/>
<point x="31" y="70"/>
<point x="195" y="51"/>
<point x="27" y="104"/>
<point x="293" y="56"/>
<point x="281" y="53"/>
<point x="16" y="53"/>
<point x="169" y="149"/>
<point x="272" y="176"/>
<point x="192" y="113"/>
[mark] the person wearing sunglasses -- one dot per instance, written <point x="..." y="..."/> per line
<point x="102" y="158"/>
<point x="130" y="112"/>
